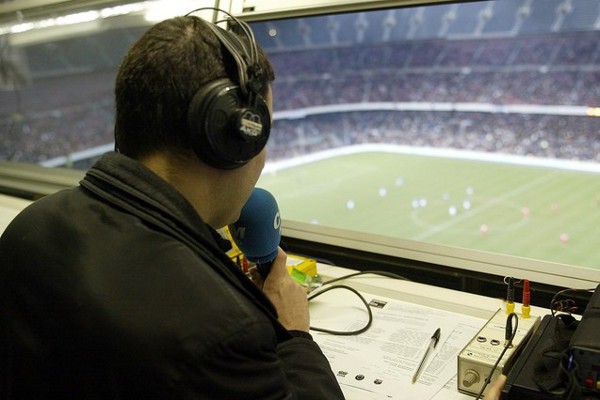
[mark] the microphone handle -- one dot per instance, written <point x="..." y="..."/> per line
<point x="264" y="268"/>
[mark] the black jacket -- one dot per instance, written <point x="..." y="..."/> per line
<point x="116" y="289"/>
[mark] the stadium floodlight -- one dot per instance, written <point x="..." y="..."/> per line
<point x="75" y="18"/>
<point x="161" y="10"/>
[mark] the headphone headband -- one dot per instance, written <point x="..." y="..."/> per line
<point x="246" y="57"/>
<point x="229" y="123"/>
<point x="237" y="51"/>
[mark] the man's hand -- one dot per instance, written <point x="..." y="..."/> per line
<point x="495" y="388"/>
<point x="287" y="295"/>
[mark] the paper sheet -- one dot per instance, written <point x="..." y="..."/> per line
<point x="381" y="361"/>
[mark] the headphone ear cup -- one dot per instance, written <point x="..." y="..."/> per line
<point x="225" y="131"/>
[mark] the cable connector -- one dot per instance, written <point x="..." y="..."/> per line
<point x="510" y="295"/>
<point x="509" y="334"/>
<point x="526" y="309"/>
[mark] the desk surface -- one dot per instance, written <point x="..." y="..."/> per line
<point x="427" y="295"/>
<point x="467" y="304"/>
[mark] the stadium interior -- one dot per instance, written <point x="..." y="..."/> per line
<point x="517" y="77"/>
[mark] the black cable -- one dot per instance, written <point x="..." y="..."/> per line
<point x="507" y="345"/>
<point x="572" y="388"/>
<point x="344" y="333"/>
<point x="323" y="289"/>
<point x="567" y="305"/>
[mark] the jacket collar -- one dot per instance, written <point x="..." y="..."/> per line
<point x="129" y="185"/>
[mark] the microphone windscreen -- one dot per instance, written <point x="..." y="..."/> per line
<point x="257" y="232"/>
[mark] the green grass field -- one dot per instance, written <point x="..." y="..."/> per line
<point x="449" y="201"/>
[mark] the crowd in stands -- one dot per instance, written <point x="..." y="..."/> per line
<point x="563" y="87"/>
<point x="534" y="70"/>
<point x="572" y="49"/>
<point x="560" y="137"/>
<point x="59" y="116"/>
<point x="56" y="117"/>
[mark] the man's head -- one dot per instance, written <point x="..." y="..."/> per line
<point x="159" y="78"/>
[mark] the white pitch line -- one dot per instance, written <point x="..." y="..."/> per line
<point x="455" y="220"/>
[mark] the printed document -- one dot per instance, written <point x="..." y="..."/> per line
<point x="380" y="363"/>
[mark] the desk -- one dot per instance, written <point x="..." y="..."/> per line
<point x="475" y="306"/>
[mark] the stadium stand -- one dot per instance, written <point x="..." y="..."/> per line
<point x="502" y="53"/>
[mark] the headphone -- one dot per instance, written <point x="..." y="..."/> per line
<point x="229" y="123"/>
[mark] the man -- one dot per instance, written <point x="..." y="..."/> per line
<point x="118" y="288"/>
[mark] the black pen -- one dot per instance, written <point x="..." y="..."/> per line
<point x="432" y="343"/>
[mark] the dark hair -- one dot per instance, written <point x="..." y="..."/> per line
<point x="158" y="78"/>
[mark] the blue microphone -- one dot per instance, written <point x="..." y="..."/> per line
<point x="257" y="232"/>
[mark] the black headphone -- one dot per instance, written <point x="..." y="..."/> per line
<point x="229" y="123"/>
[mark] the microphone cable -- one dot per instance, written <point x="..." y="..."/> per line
<point x="344" y="333"/>
<point x="323" y="290"/>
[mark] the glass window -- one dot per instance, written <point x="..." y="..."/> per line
<point x="469" y="125"/>
<point x="466" y="125"/>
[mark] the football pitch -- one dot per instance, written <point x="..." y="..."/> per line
<point x="539" y="212"/>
